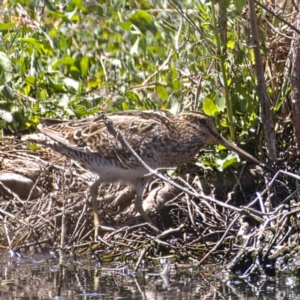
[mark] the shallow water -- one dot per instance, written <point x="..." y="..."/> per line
<point x="39" y="277"/>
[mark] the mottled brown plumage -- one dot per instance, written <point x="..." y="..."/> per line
<point x="161" y="139"/>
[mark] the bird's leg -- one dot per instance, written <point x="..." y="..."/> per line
<point x="94" y="188"/>
<point x="141" y="184"/>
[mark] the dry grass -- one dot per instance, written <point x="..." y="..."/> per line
<point x="194" y="226"/>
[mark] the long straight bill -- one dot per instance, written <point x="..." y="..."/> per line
<point x="243" y="153"/>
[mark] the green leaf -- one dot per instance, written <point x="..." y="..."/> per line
<point x="239" y="5"/>
<point x="7" y="92"/>
<point x="65" y="43"/>
<point x="33" y="147"/>
<point x="125" y="106"/>
<point x="132" y="96"/>
<point x="174" y="80"/>
<point x="49" y="6"/>
<point x="224" y="4"/>
<point x="84" y="65"/>
<point x="230" y="44"/>
<point x="230" y="160"/>
<point x="53" y="32"/>
<point x="30" y="80"/>
<point x="31" y="41"/>
<point x="57" y="86"/>
<point x="63" y="61"/>
<point x="80" y="111"/>
<point x="220" y="101"/>
<point x="125" y="25"/>
<point x="209" y="107"/>
<point x="162" y="92"/>
<point x="7" y="26"/>
<point x="143" y="21"/>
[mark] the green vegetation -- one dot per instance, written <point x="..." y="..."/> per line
<point x="232" y="59"/>
<point x="72" y="59"/>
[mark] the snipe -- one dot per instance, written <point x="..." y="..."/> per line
<point x="161" y="139"/>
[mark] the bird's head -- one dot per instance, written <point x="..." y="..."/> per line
<point x="206" y="127"/>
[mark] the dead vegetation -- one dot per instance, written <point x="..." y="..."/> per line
<point x="44" y="205"/>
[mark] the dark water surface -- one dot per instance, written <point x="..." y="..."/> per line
<point x="39" y="277"/>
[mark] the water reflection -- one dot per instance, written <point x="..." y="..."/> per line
<point x="40" y="278"/>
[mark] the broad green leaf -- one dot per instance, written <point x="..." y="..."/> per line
<point x="78" y="4"/>
<point x="143" y="43"/>
<point x="176" y="84"/>
<point x="143" y="21"/>
<point x="221" y="147"/>
<point x="35" y="108"/>
<point x="230" y="160"/>
<point x="31" y="41"/>
<point x="220" y="101"/>
<point x="33" y="147"/>
<point x="209" y="107"/>
<point x="239" y="5"/>
<point x="132" y="96"/>
<point x="57" y="86"/>
<point x="30" y="80"/>
<point x="63" y="61"/>
<point x="7" y="92"/>
<point x="81" y="111"/>
<point x="93" y="84"/>
<point x="53" y="32"/>
<point x="224" y="4"/>
<point x="7" y="26"/>
<point x="174" y="80"/>
<point x="49" y="6"/>
<point x="84" y="65"/>
<point x="56" y="15"/>
<point x="74" y="72"/>
<point x="251" y="52"/>
<point x="161" y="92"/>
<point x="230" y="44"/>
<point x="125" y="106"/>
<point x="93" y="111"/>
<point x="206" y="26"/>
<point x="125" y="25"/>
<point x="27" y="89"/>
<point x="65" y="43"/>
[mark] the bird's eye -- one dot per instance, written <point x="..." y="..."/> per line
<point x="202" y="121"/>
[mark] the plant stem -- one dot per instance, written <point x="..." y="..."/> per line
<point x="222" y="55"/>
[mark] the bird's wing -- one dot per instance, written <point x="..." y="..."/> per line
<point x="139" y="128"/>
